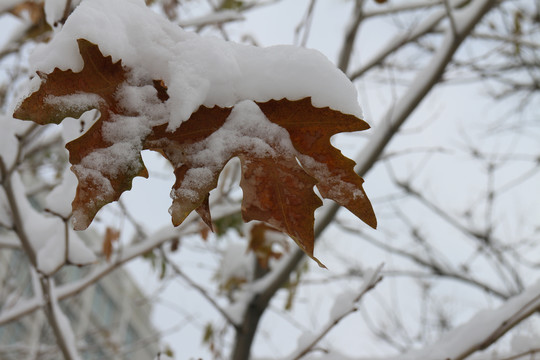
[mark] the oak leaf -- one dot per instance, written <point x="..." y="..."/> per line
<point x="68" y="94"/>
<point x="283" y="145"/>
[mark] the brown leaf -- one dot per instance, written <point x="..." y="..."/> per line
<point x="177" y="148"/>
<point x="111" y="236"/>
<point x="175" y="244"/>
<point x="99" y="184"/>
<point x="262" y="245"/>
<point x="279" y="192"/>
<point x="284" y="147"/>
<point x="310" y="129"/>
<point x="34" y="11"/>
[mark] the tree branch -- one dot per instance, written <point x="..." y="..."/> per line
<point x="197" y="287"/>
<point x="395" y="44"/>
<point x="59" y="323"/>
<point x="374" y="278"/>
<point x="391" y="123"/>
<point x="482" y="330"/>
<point x="350" y="36"/>
<point x="68" y="290"/>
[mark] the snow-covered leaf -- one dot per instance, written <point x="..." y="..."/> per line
<point x="284" y="145"/>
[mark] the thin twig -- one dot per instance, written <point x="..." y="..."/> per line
<point x="350" y="36"/>
<point x="66" y="350"/>
<point x="199" y="288"/>
<point x="306" y="24"/>
<point x="57" y="320"/>
<point x="450" y="13"/>
<point x="65" y="291"/>
<point x="67" y="11"/>
<point x="15" y="214"/>
<point x="369" y="285"/>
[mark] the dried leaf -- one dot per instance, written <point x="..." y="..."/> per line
<point x="98" y="184"/>
<point x="111" y="236"/>
<point x="175" y="244"/>
<point x="283" y="145"/>
<point x="262" y="245"/>
<point x="31" y="10"/>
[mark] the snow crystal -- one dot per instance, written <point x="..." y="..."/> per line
<point x="119" y="158"/>
<point x="246" y="129"/>
<point x="78" y="101"/>
<point x="102" y="184"/>
<point x="213" y="18"/>
<point x="143" y="98"/>
<point x="8" y="143"/>
<point x="186" y="194"/>
<point x="237" y="309"/>
<point x="197" y="178"/>
<point x="479" y="328"/>
<point x="196" y="70"/>
<point x="126" y="129"/>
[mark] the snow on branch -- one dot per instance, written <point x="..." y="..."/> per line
<point x="9" y="242"/>
<point x="421" y="86"/>
<point x="482" y="330"/>
<point x="62" y="292"/>
<point x="402" y="7"/>
<point x="345" y="305"/>
<point x="466" y="20"/>
<point x="215" y="18"/>
<point x="59" y="322"/>
<point x="199" y="289"/>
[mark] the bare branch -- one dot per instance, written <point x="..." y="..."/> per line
<point x="482" y="330"/>
<point x="197" y="287"/>
<point x="219" y="18"/>
<point x="396" y="43"/>
<point x="59" y="323"/>
<point x="450" y="14"/>
<point x="431" y="265"/>
<point x="129" y="253"/>
<point x="369" y="284"/>
<point x="67" y="11"/>
<point x="306" y="23"/>
<point x="350" y="36"/>
<point x="16" y="216"/>
<point x="402" y="7"/>
<point x="393" y="120"/>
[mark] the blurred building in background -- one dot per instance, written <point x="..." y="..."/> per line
<point x="110" y="319"/>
